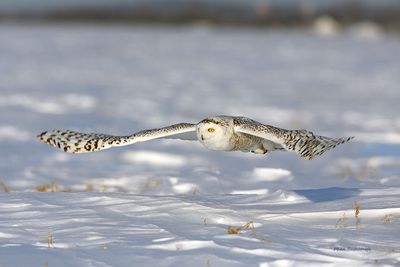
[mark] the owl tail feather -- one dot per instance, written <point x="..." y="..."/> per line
<point x="308" y="145"/>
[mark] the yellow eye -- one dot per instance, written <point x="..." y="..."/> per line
<point x="210" y="130"/>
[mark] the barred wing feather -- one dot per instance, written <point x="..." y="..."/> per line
<point x="76" y="142"/>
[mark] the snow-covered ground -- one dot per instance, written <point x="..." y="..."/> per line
<point x="171" y="202"/>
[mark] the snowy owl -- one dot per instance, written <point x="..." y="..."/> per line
<point x="226" y="133"/>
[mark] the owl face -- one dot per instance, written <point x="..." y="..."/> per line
<point x="209" y="132"/>
<point x="214" y="134"/>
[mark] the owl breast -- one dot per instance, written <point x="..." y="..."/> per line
<point x="233" y="142"/>
<point x="220" y="142"/>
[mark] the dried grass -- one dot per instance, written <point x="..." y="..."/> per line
<point x="367" y="172"/>
<point x="234" y="230"/>
<point x="344" y="172"/>
<point x="150" y="184"/>
<point x="49" y="239"/>
<point x="53" y="187"/>
<point x="364" y="172"/>
<point x="103" y="189"/>
<point x="389" y="250"/>
<point x="4" y="187"/>
<point x="356" y="209"/>
<point x="89" y="187"/>
<point x="342" y="221"/>
<point x="390" y="218"/>
<point x="238" y="229"/>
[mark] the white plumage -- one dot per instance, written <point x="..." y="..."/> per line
<point x="226" y="133"/>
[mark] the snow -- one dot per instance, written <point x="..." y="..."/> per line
<point x="120" y="229"/>
<point x="172" y="202"/>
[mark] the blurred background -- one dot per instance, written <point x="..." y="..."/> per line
<point x="237" y="12"/>
<point x="121" y="66"/>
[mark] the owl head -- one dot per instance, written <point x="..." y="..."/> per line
<point x="215" y="133"/>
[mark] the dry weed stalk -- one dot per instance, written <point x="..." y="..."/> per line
<point x="89" y="187"/>
<point x="103" y="189"/>
<point x="356" y="208"/>
<point x="53" y="187"/>
<point x="342" y="221"/>
<point x="4" y="186"/>
<point x="49" y="239"/>
<point x="365" y="172"/>
<point x="236" y="230"/>
<point x="390" y="218"/>
<point x="344" y="172"/>
<point x="390" y="250"/>
<point x="150" y="184"/>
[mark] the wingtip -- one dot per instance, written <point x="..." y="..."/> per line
<point x="40" y="136"/>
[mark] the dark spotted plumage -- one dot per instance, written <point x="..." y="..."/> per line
<point x="226" y="133"/>
<point x="303" y="142"/>
<point x="75" y="142"/>
<point x="308" y="145"/>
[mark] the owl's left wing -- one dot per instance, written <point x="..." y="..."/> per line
<point x="76" y="142"/>
<point x="303" y="142"/>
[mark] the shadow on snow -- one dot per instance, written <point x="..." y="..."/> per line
<point x="328" y="194"/>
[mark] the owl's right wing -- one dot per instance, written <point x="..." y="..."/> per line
<point x="75" y="142"/>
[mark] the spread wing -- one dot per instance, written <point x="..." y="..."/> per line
<point x="303" y="142"/>
<point x="75" y="142"/>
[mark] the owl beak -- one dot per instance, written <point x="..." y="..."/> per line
<point x="202" y="137"/>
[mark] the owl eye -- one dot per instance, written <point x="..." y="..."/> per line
<point x="210" y="130"/>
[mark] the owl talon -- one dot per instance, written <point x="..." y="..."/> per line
<point x="259" y="151"/>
